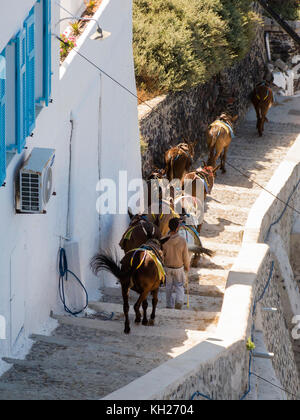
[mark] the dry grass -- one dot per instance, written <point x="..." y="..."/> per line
<point x="144" y="95"/>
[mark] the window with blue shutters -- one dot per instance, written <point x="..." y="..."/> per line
<point x="25" y="81"/>
<point x="47" y="51"/>
<point x="21" y="89"/>
<point x="43" y="52"/>
<point x="30" y="73"/>
<point x="10" y="106"/>
<point x="2" y="117"/>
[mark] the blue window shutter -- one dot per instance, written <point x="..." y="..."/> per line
<point x="47" y="51"/>
<point x="30" y="72"/>
<point x="21" y="89"/>
<point x="2" y="122"/>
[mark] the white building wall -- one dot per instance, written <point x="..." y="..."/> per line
<point x="12" y="17"/>
<point x="105" y="140"/>
<point x="74" y="7"/>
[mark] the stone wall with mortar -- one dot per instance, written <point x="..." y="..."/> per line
<point x="186" y="115"/>
<point x="218" y="367"/>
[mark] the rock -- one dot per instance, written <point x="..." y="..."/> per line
<point x="281" y="65"/>
<point x="280" y="80"/>
<point x="296" y="70"/>
<point x="296" y="59"/>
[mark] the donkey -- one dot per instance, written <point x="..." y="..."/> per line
<point x="138" y="232"/>
<point x="207" y="175"/>
<point x="162" y="221"/>
<point x="154" y="186"/>
<point x="219" y="135"/>
<point x="178" y="160"/>
<point x="140" y="270"/>
<point x="262" y="98"/>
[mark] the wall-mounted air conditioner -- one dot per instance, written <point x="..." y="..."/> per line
<point x="35" y="181"/>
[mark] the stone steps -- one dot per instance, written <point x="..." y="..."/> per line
<point x="229" y="214"/>
<point x="228" y="249"/>
<point x="226" y="236"/>
<point x="237" y="196"/>
<point x="205" y="303"/>
<point x="167" y="328"/>
<point x="80" y="362"/>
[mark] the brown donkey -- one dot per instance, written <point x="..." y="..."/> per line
<point x="262" y="98"/>
<point x="138" y="232"/>
<point x="219" y="135"/>
<point x="140" y="270"/>
<point x="207" y="174"/>
<point x="178" y="160"/>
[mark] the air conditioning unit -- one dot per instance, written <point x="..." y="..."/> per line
<point x="35" y="181"/>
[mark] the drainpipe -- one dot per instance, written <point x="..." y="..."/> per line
<point x="267" y="45"/>
<point x="68" y="226"/>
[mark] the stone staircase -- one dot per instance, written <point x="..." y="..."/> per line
<point x="89" y="357"/>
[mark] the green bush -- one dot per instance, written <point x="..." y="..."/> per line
<point x="181" y="43"/>
<point x="287" y="9"/>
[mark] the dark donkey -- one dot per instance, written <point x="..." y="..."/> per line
<point x="138" y="232"/>
<point x="140" y="270"/>
<point x="262" y="98"/>
<point x="178" y="160"/>
<point x="154" y="190"/>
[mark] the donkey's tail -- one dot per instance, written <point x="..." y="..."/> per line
<point x="200" y="250"/>
<point x="106" y="262"/>
<point x="212" y="136"/>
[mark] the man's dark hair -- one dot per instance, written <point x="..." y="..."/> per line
<point x="174" y="223"/>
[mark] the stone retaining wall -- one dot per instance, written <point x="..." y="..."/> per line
<point x="186" y="115"/>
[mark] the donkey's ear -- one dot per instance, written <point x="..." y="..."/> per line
<point x="235" y="118"/>
<point x="164" y="240"/>
<point x="130" y="214"/>
<point x="204" y="163"/>
<point x="216" y="168"/>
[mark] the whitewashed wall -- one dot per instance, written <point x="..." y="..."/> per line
<point x="74" y="7"/>
<point x="105" y="140"/>
<point x="12" y="16"/>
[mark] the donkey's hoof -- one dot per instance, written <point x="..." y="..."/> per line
<point x="224" y="171"/>
<point x="145" y="322"/>
<point x="151" y="322"/>
<point x="137" y="321"/>
<point x="127" y="330"/>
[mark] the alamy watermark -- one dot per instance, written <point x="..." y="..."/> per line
<point x="155" y="196"/>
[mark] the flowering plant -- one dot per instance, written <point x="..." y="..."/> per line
<point x="66" y="44"/>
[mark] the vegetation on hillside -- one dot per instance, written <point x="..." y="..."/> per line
<point x="181" y="43"/>
<point x="287" y="9"/>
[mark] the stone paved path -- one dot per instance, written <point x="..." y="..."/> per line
<point x="87" y="358"/>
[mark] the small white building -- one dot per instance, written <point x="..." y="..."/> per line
<point x="92" y="124"/>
